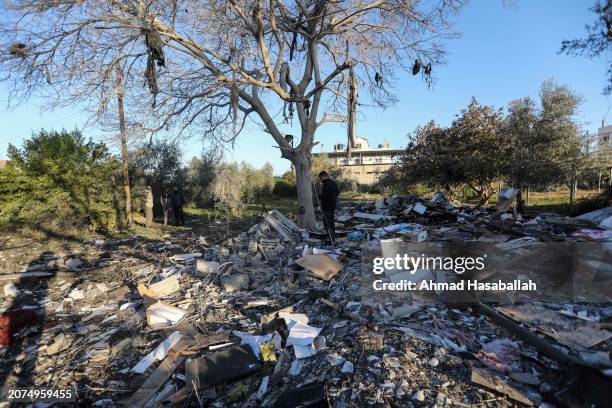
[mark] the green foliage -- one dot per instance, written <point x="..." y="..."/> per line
<point x="60" y="180"/>
<point x="158" y="165"/>
<point x="257" y="184"/>
<point x="200" y="175"/>
<point x="284" y="188"/>
<point x="533" y="146"/>
<point x="598" y="41"/>
<point x="471" y="152"/>
<point x="547" y="146"/>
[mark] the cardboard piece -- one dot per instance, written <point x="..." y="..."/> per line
<point x="161" y="314"/>
<point x="302" y="335"/>
<point x="321" y="266"/>
<point x="165" y="287"/>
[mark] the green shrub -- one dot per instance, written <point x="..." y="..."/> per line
<point x="58" y="180"/>
<point x="284" y="188"/>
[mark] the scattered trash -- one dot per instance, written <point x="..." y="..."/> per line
<point x="163" y="315"/>
<point x="157" y="354"/>
<point x="272" y="317"/>
<point x="10" y="290"/>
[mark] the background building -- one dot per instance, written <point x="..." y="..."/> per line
<point x="604" y="148"/>
<point x="604" y="144"/>
<point x="366" y="162"/>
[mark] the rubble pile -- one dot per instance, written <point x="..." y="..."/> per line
<point x="273" y="317"/>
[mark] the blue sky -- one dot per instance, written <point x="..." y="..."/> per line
<point x="505" y="52"/>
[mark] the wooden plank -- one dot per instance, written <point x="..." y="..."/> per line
<point x="494" y="382"/>
<point x="24" y="275"/>
<point x="161" y="374"/>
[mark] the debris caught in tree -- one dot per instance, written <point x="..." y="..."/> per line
<point x="428" y="69"/>
<point x="155" y="56"/>
<point x="416" y="67"/>
<point x="18" y="50"/>
<point x="379" y="79"/>
<point x="306" y="104"/>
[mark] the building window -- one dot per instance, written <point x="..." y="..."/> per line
<point x="344" y="161"/>
<point x="606" y="138"/>
<point x="357" y="161"/>
<point x="378" y="160"/>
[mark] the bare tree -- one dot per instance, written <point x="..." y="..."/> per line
<point x="211" y="66"/>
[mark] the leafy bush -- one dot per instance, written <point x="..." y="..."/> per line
<point x="59" y="180"/>
<point x="227" y="188"/>
<point x="284" y="188"/>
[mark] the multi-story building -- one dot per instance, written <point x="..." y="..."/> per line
<point x="604" y="144"/>
<point x="366" y="162"/>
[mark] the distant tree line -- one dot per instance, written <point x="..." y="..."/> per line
<point x="532" y="146"/>
<point x="63" y="180"/>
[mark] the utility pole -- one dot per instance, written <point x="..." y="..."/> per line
<point x="352" y="105"/>
<point x="124" y="152"/>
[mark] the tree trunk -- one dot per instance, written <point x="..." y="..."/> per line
<point x="528" y="193"/>
<point x="302" y="165"/>
<point x="116" y="203"/>
<point x="573" y="188"/>
<point x="599" y="184"/>
<point x="124" y="152"/>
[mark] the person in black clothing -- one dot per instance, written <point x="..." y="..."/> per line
<point x="166" y="203"/>
<point x="328" y="199"/>
<point x="177" y="206"/>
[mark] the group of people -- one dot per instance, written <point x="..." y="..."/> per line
<point x="174" y="202"/>
<point x="169" y="202"/>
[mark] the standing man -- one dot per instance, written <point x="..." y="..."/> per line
<point x="166" y="203"/>
<point x="177" y="206"/>
<point x="149" y="207"/>
<point x="328" y="200"/>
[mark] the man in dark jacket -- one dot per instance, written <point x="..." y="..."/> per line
<point x="177" y="206"/>
<point x="328" y="199"/>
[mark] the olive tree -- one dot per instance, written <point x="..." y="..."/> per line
<point x="209" y="67"/>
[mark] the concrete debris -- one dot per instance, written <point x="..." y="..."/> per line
<point x="73" y="264"/>
<point x="272" y="317"/>
<point x="10" y="290"/>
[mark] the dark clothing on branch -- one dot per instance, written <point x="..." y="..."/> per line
<point x="329" y="195"/>
<point x="177" y="207"/>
